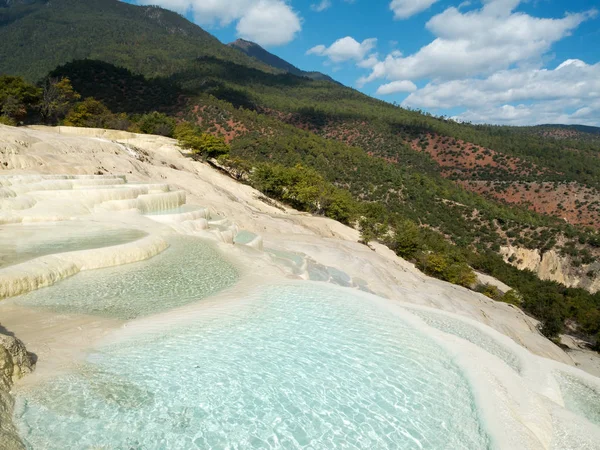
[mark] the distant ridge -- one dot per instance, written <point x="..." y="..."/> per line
<point x="580" y="128"/>
<point x="256" y="51"/>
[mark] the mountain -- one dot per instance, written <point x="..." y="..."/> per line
<point x="256" y="51"/>
<point x="580" y="131"/>
<point x="38" y="35"/>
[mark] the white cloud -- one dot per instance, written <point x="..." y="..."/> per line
<point x="321" y="6"/>
<point x="403" y="9"/>
<point x="534" y="114"/>
<point x="267" y="22"/>
<point x="571" y="80"/>
<point x="570" y="93"/>
<point x="345" y="49"/>
<point x="369" y="62"/>
<point x="396" y="86"/>
<point x="478" y="42"/>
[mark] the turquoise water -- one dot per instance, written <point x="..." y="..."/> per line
<point x="20" y="243"/>
<point x="298" y="366"/>
<point x="189" y="270"/>
<point x="580" y="397"/>
<point x="470" y="333"/>
<point x="244" y="237"/>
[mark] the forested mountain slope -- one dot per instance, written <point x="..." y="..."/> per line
<point x="38" y="35"/>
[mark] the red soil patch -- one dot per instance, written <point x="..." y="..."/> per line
<point x="465" y="160"/>
<point x="572" y="202"/>
<point x="217" y="124"/>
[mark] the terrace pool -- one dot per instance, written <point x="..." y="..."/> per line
<point x="189" y="270"/>
<point x="294" y="366"/>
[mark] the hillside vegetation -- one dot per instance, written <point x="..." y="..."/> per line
<point x="403" y="177"/>
<point x="38" y="35"/>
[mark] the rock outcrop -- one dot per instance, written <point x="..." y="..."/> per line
<point x="554" y="267"/>
<point x="15" y="362"/>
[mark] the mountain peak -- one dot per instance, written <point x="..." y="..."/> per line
<point x="254" y="50"/>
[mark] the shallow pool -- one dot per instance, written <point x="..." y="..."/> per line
<point x="189" y="270"/>
<point x="470" y="333"/>
<point x="580" y="397"/>
<point x="298" y="366"/>
<point x="23" y="242"/>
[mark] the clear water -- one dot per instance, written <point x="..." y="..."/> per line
<point x="20" y="243"/>
<point x="189" y="270"/>
<point x="179" y="210"/>
<point x="300" y="366"/>
<point x="470" y="333"/>
<point x="580" y="397"/>
<point x="244" y="237"/>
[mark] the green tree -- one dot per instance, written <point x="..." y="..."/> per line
<point x="489" y="290"/>
<point x="17" y="99"/>
<point x="157" y="123"/>
<point x="190" y="137"/>
<point x="407" y="239"/>
<point x="512" y="297"/>
<point x="58" y="96"/>
<point x="89" y="113"/>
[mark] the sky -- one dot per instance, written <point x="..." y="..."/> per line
<point x="507" y="62"/>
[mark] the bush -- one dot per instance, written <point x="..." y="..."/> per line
<point x="156" y="123"/>
<point x="5" y="120"/>
<point x="489" y="290"/>
<point x="190" y="137"/>
<point x="512" y="297"/>
<point x="447" y="268"/>
<point x="304" y="189"/>
<point x="407" y="239"/>
<point x="89" y="113"/>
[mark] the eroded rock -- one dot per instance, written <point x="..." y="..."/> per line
<point x="15" y="362"/>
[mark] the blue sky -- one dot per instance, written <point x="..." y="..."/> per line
<point x="496" y="61"/>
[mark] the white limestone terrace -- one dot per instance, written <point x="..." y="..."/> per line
<point x="114" y="182"/>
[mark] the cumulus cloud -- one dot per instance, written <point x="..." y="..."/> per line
<point x="533" y="114"/>
<point x="403" y="9"/>
<point x="345" y="49"/>
<point x="573" y="79"/>
<point x="267" y="22"/>
<point x="478" y="42"/>
<point x="321" y="6"/>
<point x="396" y="86"/>
<point x="570" y="93"/>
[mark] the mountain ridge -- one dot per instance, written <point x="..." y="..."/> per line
<point x="38" y="36"/>
<point x="254" y="50"/>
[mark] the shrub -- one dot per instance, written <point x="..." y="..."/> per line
<point x="489" y="290"/>
<point x="156" y="123"/>
<point x="448" y="268"/>
<point x="5" y="120"/>
<point x="208" y="145"/>
<point x="89" y="113"/>
<point x="512" y="297"/>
